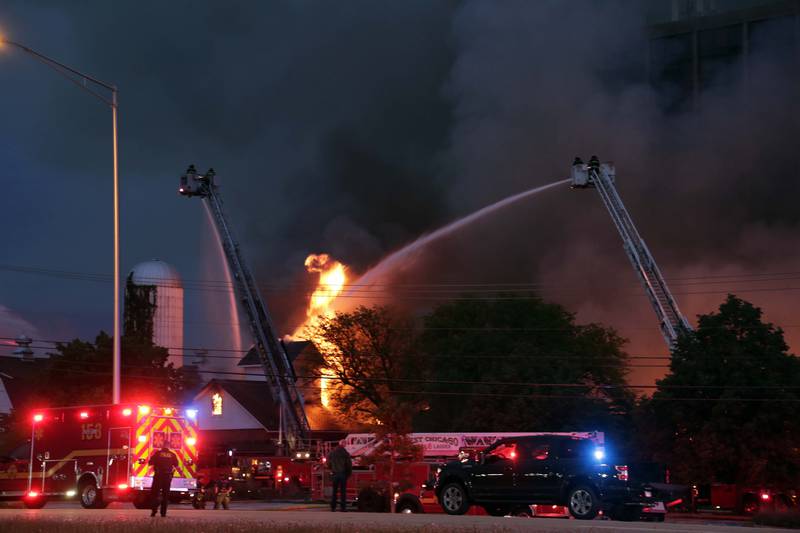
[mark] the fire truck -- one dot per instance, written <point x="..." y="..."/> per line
<point x="99" y="454"/>
<point x="367" y="488"/>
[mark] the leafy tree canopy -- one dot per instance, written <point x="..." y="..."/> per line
<point x="520" y="364"/>
<point x="375" y="366"/>
<point x="727" y="411"/>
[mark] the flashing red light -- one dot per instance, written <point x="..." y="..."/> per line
<point x="84" y="414"/>
<point x="168" y="411"/>
<point x="286" y="478"/>
<point x="765" y="496"/>
<point x="191" y="441"/>
<point x="122" y="486"/>
<point x="513" y="455"/>
<point x="144" y="409"/>
<point x="38" y="417"/>
<point x="126" y="412"/>
<point x="33" y="494"/>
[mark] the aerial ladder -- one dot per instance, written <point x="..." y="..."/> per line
<point x="278" y="368"/>
<point x="601" y="176"/>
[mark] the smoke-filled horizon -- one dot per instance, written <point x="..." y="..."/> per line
<point x="354" y="129"/>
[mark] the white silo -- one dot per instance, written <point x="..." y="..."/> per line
<point x="161" y="284"/>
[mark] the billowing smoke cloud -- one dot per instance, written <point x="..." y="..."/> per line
<point x="535" y="84"/>
<point x="353" y="128"/>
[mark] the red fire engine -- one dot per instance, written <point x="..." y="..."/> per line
<point x="413" y="492"/>
<point x="99" y="453"/>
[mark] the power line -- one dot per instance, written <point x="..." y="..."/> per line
<point x="447" y="287"/>
<point x="589" y="386"/>
<point x="495" y="395"/>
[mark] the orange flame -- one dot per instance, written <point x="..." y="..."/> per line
<point x="332" y="280"/>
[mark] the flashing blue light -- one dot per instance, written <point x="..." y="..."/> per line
<point x="599" y="454"/>
<point x="191" y="413"/>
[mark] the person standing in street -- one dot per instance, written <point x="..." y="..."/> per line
<point x="164" y="462"/>
<point x="341" y="465"/>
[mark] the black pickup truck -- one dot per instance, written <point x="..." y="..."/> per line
<point x="560" y="470"/>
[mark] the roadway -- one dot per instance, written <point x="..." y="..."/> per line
<point x="295" y="518"/>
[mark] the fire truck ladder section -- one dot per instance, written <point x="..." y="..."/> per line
<point x="601" y="177"/>
<point x="277" y="367"/>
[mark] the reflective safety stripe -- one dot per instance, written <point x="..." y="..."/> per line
<point x="146" y="425"/>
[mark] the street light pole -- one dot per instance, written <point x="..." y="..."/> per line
<point x="117" y="370"/>
<point x="81" y="79"/>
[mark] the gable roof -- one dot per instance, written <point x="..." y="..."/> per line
<point x="254" y="396"/>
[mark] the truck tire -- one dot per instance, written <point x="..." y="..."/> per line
<point x="453" y="498"/>
<point x="34" y="503"/>
<point x="142" y="500"/>
<point x="409" y="505"/>
<point x="90" y="496"/>
<point x="582" y="502"/>
<point x="372" y="501"/>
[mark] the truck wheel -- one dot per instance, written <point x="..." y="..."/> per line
<point x="372" y="501"/>
<point x="453" y="498"/>
<point x="141" y="500"/>
<point x="583" y="502"/>
<point x="90" y="496"/>
<point x="34" y="503"/>
<point x="408" y="506"/>
<point x="750" y="505"/>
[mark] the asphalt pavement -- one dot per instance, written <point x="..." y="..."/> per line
<point x="259" y="515"/>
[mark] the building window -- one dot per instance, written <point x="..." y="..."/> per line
<point x="216" y="404"/>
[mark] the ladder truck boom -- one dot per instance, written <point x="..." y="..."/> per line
<point x="278" y="368"/>
<point x="601" y="176"/>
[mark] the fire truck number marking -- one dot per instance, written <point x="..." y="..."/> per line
<point x="90" y="431"/>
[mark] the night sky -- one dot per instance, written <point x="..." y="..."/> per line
<point x="353" y="127"/>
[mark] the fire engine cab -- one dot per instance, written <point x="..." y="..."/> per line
<point x="99" y="453"/>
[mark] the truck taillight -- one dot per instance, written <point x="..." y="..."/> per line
<point x="126" y="412"/>
<point x="191" y="441"/>
<point x="765" y="496"/>
<point x="622" y="472"/>
<point x="122" y="486"/>
<point x="38" y="417"/>
<point x="33" y="494"/>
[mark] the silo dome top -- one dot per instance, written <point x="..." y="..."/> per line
<point x="156" y="272"/>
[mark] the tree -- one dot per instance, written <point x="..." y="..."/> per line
<point x="80" y="373"/>
<point x="520" y="364"/>
<point x="376" y="372"/>
<point x="375" y="367"/>
<point x="727" y="410"/>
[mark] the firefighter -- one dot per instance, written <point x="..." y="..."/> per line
<point x="341" y="465"/>
<point x="223" y="493"/>
<point x="164" y="462"/>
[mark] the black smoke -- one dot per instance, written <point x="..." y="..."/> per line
<point x="353" y="128"/>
